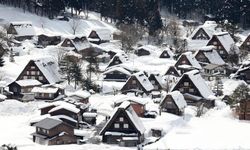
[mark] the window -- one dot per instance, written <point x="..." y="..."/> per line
<point x="32" y="67"/>
<point x="153" y="81"/>
<point x="214" y="43"/>
<point x="165" y="54"/>
<point x="183" y="62"/>
<point x="40" y="78"/>
<point x="134" y="82"/>
<point x="22" y="90"/>
<point x="25" y="77"/>
<point x="221" y="52"/>
<point x="33" y="77"/>
<point x="191" y="90"/>
<point x="27" y="72"/>
<point x="186" y="83"/>
<point x="51" y="95"/>
<point x="181" y="90"/>
<point x="125" y="126"/>
<point x="219" y="47"/>
<point x="33" y="73"/>
<point x="116" y="62"/>
<point x="117" y="125"/>
<point x="121" y="119"/>
<point x="38" y="72"/>
<point x="248" y="43"/>
<point x="68" y="42"/>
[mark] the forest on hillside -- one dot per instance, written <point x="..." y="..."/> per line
<point x="144" y="12"/>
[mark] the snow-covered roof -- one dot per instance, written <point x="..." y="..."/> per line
<point x="209" y="27"/>
<point x="143" y="79"/>
<point x="104" y="33"/>
<point x="226" y="40"/>
<point x="178" y="99"/>
<point x="117" y="68"/>
<point x="48" y="123"/>
<point x="72" y="53"/>
<point x="139" y="100"/>
<point x="23" y="28"/>
<point x="49" y="68"/>
<point x="212" y="55"/>
<point x="63" y="117"/>
<point x="154" y="50"/>
<point x="28" y="82"/>
<point x="79" y="93"/>
<point x="44" y="90"/>
<point x="229" y="85"/>
<point x="158" y="77"/>
<point x="67" y="106"/>
<point x="121" y="56"/>
<point x="2" y="97"/>
<point x="125" y="106"/>
<point x="198" y="82"/>
<point x="81" y="45"/>
<point x="191" y="59"/>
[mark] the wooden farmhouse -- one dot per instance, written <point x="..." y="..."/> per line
<point x="148" y="50"/>
<point x="243" y="72"/>
<point x="21" y="30"/>
<point x="205" y="31"/>
<point x="44" y="70"/>
<point x="187" y="62"/>
<point x="46" y="40"/>
<point x="68" y="113"/>
<point x="138" y="83"/>
<point x="138" y="104"/>
<point x="193" y="87"/>
<point x="23" y="87"/>
<point x="156" y="81"/>
<point x="246" y="44"/>
<point x="116" y="73"/>
<point x="212" y="71"/>
<point x="76" y="44"/>
<point x="174" y="103"/>
<point x="46" y="92"/>
<point x="100" y="35"/>
<point x="223" y="43"/>
<point x="167" y="53"/>
<point x="244" y="110"/>
<point x="124" y="127"/>
<point x="208" y="55"/>
<point x="53" y="132"/>
<point x="172" y="71"/>
<point x="79" y="96"/>
<point x="118" y="59"/>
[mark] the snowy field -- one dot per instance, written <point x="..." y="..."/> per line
<point x="217" y="129"/>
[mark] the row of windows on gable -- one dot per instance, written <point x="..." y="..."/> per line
<point x="190" y="90"/>
<point x="43" y="95"/>
<point x="117" y="126"/>
<point x="33" y="72"/>
<point x="33" y="77"/>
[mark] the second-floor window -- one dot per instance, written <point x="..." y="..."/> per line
<point x="117" y="125"/>
<point x="186" y="83"/>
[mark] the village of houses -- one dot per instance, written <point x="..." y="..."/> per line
<point x="142" y="96"/>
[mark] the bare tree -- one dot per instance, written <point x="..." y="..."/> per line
<point x="74" y="25"/>
<point x="173" y="31"/>
<point x="130" y="35"/>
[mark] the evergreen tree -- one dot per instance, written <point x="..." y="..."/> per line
<point x="240" y="94"/>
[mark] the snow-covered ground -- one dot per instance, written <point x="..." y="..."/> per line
<point x="217" y="129"/>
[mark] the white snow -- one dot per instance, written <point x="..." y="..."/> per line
<point x="28" y="82"/>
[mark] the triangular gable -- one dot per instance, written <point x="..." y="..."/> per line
<point x="200" y="34"/>
<point x="129" y="116"/>
<point x="172" y="71"/>
<point x="93" y="35"/>
<point x="26" y="68"/>
<point x="142" y="83"/>
<point x="156" y="79"/>
<point x="189" y="60"/>
<point x="245" y="43"/>
<point x="197" y="82"/>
